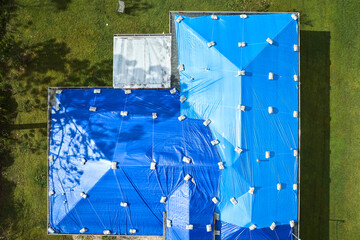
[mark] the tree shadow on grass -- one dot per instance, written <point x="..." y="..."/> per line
<point x="136" y="7"/>
<point x="8" y="111"/>
<point x="33" y="62"/>
<point x="244" y="5"/>
<point x="83" y="73"/>
<point x="8" y="214"/>
<point x="29" y="126"/>
<point x="8" y="206"/>
<point x="46" y="56"/>
<point x="61" y="5"/>
<point x="315" y="134"/>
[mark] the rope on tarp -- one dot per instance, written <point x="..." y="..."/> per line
<point x="96" y="213"/>
<point x="296" y="236"/>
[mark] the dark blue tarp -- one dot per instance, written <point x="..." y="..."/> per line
<point x="231" y="232"/>
<point x="133" y="141"/>
<point x="215" y="90"/>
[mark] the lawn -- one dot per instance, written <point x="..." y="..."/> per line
<point x="67" y="43"/>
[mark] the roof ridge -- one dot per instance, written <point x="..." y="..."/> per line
<point x="200" y="37"/>
<point x="269" y="44"/>
<point x="80" y="199"/>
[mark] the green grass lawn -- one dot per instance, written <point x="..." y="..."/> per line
<point x="67" y="43"/>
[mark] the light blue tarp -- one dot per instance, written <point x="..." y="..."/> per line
<point x="133" y="141"/>
<point x="214" y="90"/>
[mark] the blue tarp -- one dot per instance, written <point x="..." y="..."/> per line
<point x="231" y="232"/>
<point x="237" y="103"/>
<point x="133" y="141"/>
<point x="254" y="118"/>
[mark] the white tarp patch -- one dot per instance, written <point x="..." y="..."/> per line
<point x="142" y="61"/>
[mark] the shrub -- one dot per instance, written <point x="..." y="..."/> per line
<point x="40" y="176"/>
